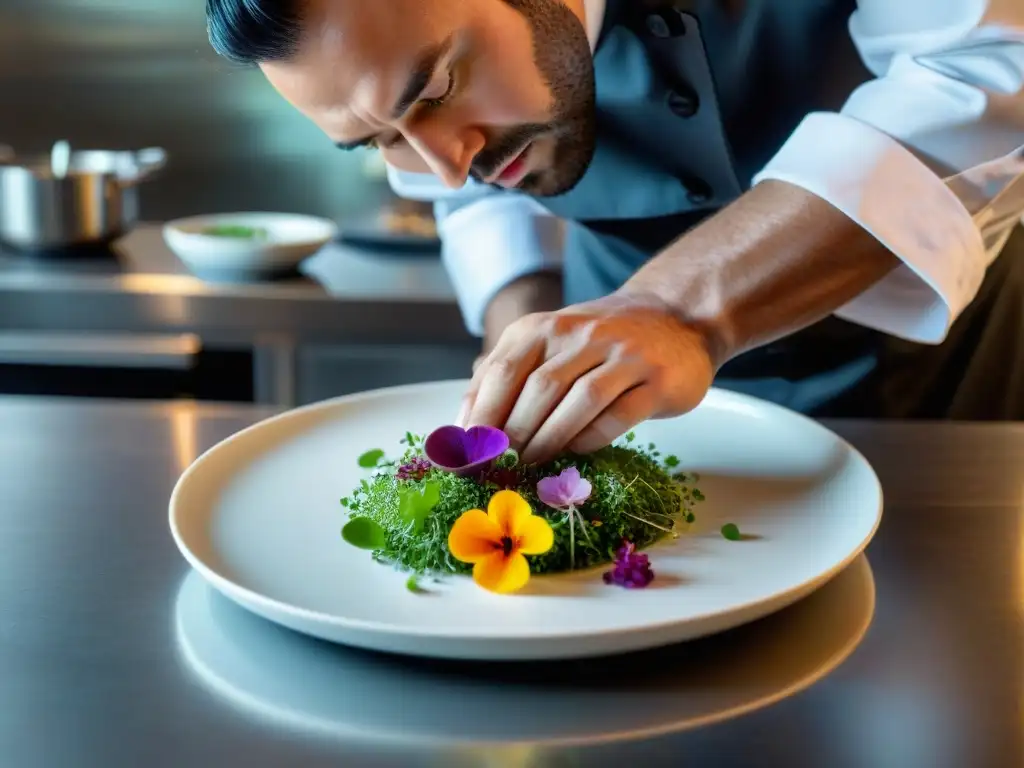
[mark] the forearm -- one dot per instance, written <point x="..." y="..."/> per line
<point x="777" y="260"/>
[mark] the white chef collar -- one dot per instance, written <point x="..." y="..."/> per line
<point x="593" y="13"/>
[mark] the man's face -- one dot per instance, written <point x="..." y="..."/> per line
<point x="500" y="90"/>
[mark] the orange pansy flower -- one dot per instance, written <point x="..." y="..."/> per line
<point x="495" y="541"/>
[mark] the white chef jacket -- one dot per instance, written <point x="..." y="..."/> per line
<point x="928" y="157"/>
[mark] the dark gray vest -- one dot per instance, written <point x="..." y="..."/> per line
<point x="693" y="98"/>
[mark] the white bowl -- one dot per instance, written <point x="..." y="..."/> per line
<point x="286" y="240"/>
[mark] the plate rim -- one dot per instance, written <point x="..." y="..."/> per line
<point x="235" y="591"/>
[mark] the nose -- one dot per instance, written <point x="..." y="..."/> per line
<point x="449" y="154"/>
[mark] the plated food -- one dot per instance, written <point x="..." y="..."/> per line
<point x="459" y="502"/>
<point x="258" y="517"/>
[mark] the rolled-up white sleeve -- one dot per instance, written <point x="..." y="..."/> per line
<point x="489" y="238"/>
<point x="927" y="156"/>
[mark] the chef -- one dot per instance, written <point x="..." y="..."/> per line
<point x="813" y="201"/>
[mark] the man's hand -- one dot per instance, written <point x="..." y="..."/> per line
<point x="582" y="376"/>
<point x="539" y="292"/>
<point x="775" y="261"/>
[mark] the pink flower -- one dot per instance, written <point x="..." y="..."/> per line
<point x="564" y="491"/>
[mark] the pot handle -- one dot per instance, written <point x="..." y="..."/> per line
<point x="147" y="162"/>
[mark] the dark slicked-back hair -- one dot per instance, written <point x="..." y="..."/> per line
<point x="254" y="31"/>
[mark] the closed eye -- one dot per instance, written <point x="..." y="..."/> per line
<point x="437" y="102"/>
<point x="376" y="142"/>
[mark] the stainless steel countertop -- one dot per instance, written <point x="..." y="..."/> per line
<point x="345" y="294"/>
<point x="112" y="654"/>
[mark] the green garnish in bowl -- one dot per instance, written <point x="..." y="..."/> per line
<point x="236" y="230"/>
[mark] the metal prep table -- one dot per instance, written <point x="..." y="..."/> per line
<point x="397" y="309"/>
<point x="112" y="654"/>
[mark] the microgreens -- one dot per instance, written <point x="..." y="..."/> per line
<point x="412" y="441"/>
<point x="625" y="492"/>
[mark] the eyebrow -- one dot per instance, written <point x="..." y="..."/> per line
<point x="422" y="73"/>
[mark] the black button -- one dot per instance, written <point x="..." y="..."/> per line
<point x="697" y="190"/>
<point x="682" y="103"/>
<point x="667" y="24"/>
<point x="657" y="26"/>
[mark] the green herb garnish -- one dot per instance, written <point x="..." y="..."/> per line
<point x="731" y="531"/>
<point x="415" y="504"/>
<point x="364" y="533"/>
<point x="371" y="459"/>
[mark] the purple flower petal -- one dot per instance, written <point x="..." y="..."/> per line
<point x="632" y="569"/>
<point x="462" y="451"/>
<point x="567" y="489"/>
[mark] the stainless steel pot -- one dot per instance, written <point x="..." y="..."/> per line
<point x="71" y="199"/>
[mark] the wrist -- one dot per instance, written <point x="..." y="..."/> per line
<point x="775" y="261"/>
<point x="536" y="292"/>
<point x="710" y="330"/>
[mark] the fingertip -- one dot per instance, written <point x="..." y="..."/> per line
<point x="535" y="453"/>
<point x="583" y="445"/>
<point x="593" y="438"/>
<point x="460" y="420"/>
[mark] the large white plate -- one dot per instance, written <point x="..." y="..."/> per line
<point x="258" y="516"/>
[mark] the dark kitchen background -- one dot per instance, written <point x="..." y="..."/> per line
<point x="138" y="73"/>
<point x="130" y="74"/>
